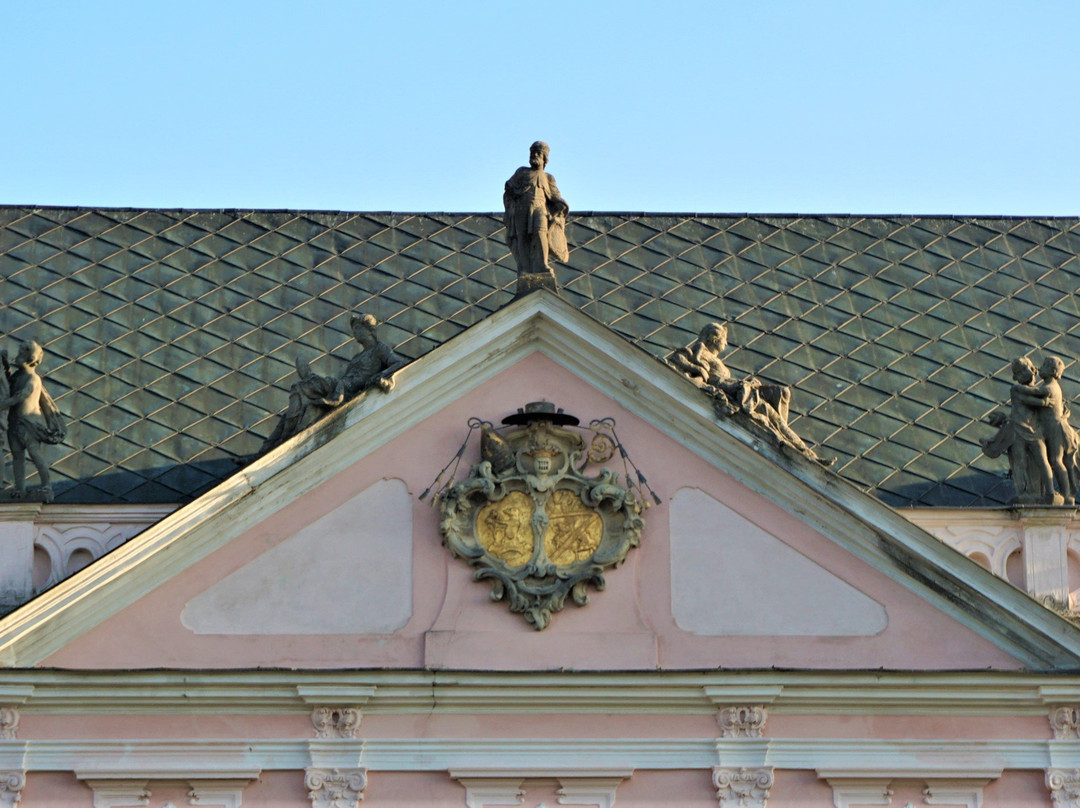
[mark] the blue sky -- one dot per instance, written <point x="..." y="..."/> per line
<point x="809" y="107"/>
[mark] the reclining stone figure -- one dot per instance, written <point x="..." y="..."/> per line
<point x="765" y="406"/>
<point x="314" y="396"/>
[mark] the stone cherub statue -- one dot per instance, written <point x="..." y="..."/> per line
<point x="761" y="406"/>
<point x="535" y="221"/>
<point x="33" y="420"/>
<point x="1042" y="447"/>
<point x="314" y="396"/>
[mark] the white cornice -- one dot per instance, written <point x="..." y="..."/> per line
<point x="111" y="514"/>
<point x="634" y="379"/>
<point x="243" y="758"/>
<point x="419" y="692"/>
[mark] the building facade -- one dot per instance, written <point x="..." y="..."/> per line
<point x="291" y="628"/>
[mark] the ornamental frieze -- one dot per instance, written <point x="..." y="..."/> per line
<point x="531" y="518"/>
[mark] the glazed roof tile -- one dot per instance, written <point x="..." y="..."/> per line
<point x="170" y="335"/>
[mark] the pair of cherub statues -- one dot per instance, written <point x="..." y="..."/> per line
<point x="314" y="396"/>
<point x="1042" y="447"/>
<point x="33" y="422"/>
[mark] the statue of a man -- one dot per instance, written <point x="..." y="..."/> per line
<point x="33" y="419"/>
<point x="535" y="220"/>
<point x="375" y="365"/>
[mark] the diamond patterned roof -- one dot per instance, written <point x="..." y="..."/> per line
<point x="170" y="335"/>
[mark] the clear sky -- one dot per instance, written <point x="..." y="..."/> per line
<point x="959" y="107"/>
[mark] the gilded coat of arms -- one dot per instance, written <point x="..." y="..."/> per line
<point x="532" y="521"/>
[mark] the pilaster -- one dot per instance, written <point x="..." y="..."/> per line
<point x="1044" y="545"/>
<point x="17" y="553"/>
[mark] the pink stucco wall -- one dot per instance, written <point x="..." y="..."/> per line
<point x="454" y="624"/>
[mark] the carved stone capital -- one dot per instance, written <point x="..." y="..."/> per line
<point x="1065" y="721"/>
<point x="11" y="786"/>
<point x="336" y="722"/>
<point x="742" y="721"/>
<point x="9" y="723"/>
<point x="1064" y="786"/>
<point x="746" y="788"/>
<point x="335" y="788"/>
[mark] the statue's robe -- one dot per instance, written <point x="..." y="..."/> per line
<point x="535" y="219"/>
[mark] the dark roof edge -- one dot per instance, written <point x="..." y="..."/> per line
<point x="690" y="214"/>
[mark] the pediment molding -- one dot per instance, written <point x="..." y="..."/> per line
<point x="635" y="380"/>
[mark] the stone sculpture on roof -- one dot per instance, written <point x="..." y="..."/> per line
<point x="535" y="221"/>
<point x="33" y="420"/>
<point x="1042" y="447"/>
<point x="375" y="365"/>
<point x="763" y="407"/>
<point x="310" y="398"/>
<point x="313" y="396"/>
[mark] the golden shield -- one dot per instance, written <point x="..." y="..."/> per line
<point x="504" y="528"/>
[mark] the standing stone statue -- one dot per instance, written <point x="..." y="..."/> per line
<point x="33" y="419"/>
<point x="535" y="221"/>
<point x="375" y="365"/>
<point x="760" y="406"/>
<point x="1042" y="447"/>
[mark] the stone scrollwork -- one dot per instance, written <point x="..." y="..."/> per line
<point x="336" y="722"/>
<point x="9" y="723"/>
<point x="747" y="788"/>
<point x="742" y="721"/>
<point x="1064" y="786"/>
<point x="11" y="786"/>
<point x="1065" y="721"/>
<point x="335" y="788"/>
<point x="531" y="522"/>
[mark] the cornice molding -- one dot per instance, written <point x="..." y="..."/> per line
<point x="591" y="757"/>
<point x="101" y="514"/>
<point x="422" y="692"/>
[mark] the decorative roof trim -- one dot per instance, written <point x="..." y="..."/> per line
<point x="632" y="378"/>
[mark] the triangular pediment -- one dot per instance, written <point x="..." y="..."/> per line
<point x="320" y="554"/>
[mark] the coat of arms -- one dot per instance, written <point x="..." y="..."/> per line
<point x="532" y="521"/>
